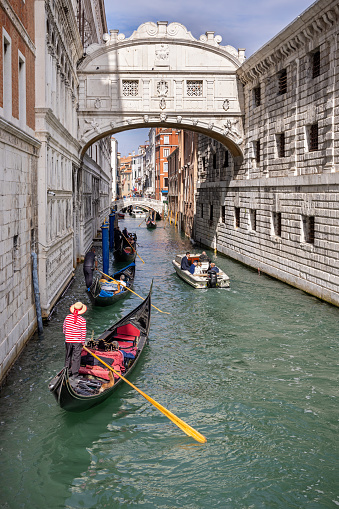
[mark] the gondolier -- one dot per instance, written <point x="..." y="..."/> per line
<point x="90" y="263"/>
<point x="74" y="329"/>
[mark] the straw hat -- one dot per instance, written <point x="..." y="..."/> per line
<point x="80" y="307"/>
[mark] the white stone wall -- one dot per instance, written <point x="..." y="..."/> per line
<point x="18" y="228"/>
<point x="299" y="186"/>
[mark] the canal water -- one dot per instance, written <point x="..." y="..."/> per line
<point x="253" y="367"/>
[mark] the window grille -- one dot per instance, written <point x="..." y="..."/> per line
<point x="130" y="88"/>
<point x="257" y="151"/>
<point x="308" y="229"/>
<point x="313" y="135"/>
<point x="211" y="212"/>
<point x="204" y="163"/>
<point x="276" y="217"/>
<point x="237" y="216"/>
<point x="214" y="161"/>
<point x="316" y="64"/>
<point x="257" y="96"/>
<point x="281" y="144"/>
<point x="226" y="162"/>
<point x="223" y="214"/>
<point x="253" y="219"/>
<point x="282" y="82"/>
<point x="202" y="211"/>
<point x="194" y="88"/>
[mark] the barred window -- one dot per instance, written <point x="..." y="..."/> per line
<point x="211" y="212"/>
<point x="130" y="88"/>
<point x="226" y="161"/>
<point x="276" y="222"/>
<point x="313" y="138"/>
<point x="257" y="151"/>
<point x="308" y="229"/>
<point x="316" y="64"/>
<point x="282" y="82"/>
<point x="253" y="219"/>
<point x="223" y="214"/>
<point x="237" y="217"/>
<point x="202" y="211"/>
<point x="256" y="96"/>
<point x="194" y="88"/>
<point x="214" y="161"/>
<point x="281" y="144"/>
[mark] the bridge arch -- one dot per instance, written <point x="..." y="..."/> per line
<point x="161" y="76"/>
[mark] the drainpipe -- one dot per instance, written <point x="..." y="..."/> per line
<point x="105" y="248"/>
<point x="36" y="292"/>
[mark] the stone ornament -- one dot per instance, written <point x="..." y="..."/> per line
<point x="179" y="119"/>
<point x="226" y="104"/>
<point x="97" y="103"/>
<point x="211" y="125"/>
<point x="162" y="88"/>
<point x="146" y="118"/>
<point x="162" y="104"/>
<point x="163" y="117"/>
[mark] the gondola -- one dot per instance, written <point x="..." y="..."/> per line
<point x="150" y="224"/>
<point x="121" y="215"/>
<point x="124" y="252"/>
<point x="95" y="382"/>
<point x="102" y="290"/>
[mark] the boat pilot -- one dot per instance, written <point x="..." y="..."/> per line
<point x="90" y="263"/>
<point x="74" y="329"/>
<point x="213" y="268"/>
<point x="184" y="262"/>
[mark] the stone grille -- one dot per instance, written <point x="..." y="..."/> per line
<point x="194" y="88"/>
<point x="130" y="88"/>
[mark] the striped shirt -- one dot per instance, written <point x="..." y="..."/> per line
<point x="74" y="332"/>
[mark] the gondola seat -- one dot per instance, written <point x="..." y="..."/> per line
<point x="127" y="333"/>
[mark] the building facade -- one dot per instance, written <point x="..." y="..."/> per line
<point x="279" y="211"/>
<point x="166" y="140"/>
<point x="19" y="151"/>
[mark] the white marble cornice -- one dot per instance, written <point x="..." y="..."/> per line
<point x="305" y="28"/>
<point x="18" y="24"/>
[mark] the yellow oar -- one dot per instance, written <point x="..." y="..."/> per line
<point x="133" y="248"/>
<point x="106" y="275"/>
<point x="179" y="422"/>
<point x="141" y="223"/>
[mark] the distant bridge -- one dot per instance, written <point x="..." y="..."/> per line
<point x="137" y="201"/>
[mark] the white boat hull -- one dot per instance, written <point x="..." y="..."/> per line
<point x="199" y="281"/>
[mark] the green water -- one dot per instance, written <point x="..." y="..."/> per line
<point x="253" y="367"/>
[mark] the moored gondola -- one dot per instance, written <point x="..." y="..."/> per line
<point x="95" y="383"/>
<point x="105" y="292"/>
<point x="124" y="251"/>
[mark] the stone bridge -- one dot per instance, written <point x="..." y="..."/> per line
<point x="147" y="203"/>
<point x="161" y="76"/>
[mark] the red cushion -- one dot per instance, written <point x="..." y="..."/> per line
<point x="128" y="330"/>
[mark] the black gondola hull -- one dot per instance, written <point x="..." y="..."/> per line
<point x="95" y="289"/>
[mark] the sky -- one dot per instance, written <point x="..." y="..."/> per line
<point x="245" y="24"/>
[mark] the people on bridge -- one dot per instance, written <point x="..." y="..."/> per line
<point x="193" y="266"/>
<point x="185" y="265"/>
<point x="74" y="328"/>
<point x="90" y="262"/>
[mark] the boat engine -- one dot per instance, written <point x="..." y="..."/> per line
<point x="212" y="280"/>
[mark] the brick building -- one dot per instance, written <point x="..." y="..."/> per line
<point x="166" y="140"/>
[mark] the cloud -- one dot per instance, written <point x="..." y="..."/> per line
<point x="243" y="23"/>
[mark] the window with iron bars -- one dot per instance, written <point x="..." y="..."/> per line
<point x="253" y="219"/>
<point x="202" y="211"/>
<point x="256" y="96"/>
<point x="226" y="161"/>
<point x="280" y="144"/>
<point x="276" y="223"/>
<point x="223" y="214"/>
<point x="237" y="217"/>
<point x="313" y="138"/>
<point x="214" y="161"/>
<point x="308" y="229"/>
<point x="194" y="88"/>
<point x="211" y="212"/>
<point x="316" y="64"/>
<point x="282" y="82"/>
<point x="257" y="150"/>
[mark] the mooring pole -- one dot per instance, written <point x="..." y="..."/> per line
<point x="105" y="248"/>
<point x="111" y="229"/>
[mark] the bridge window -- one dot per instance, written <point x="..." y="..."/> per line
<point x="226" y="161"/>
<point x="214" y="161"/>
<point x="194" y="88"/>
<point x="130" y="88"/>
